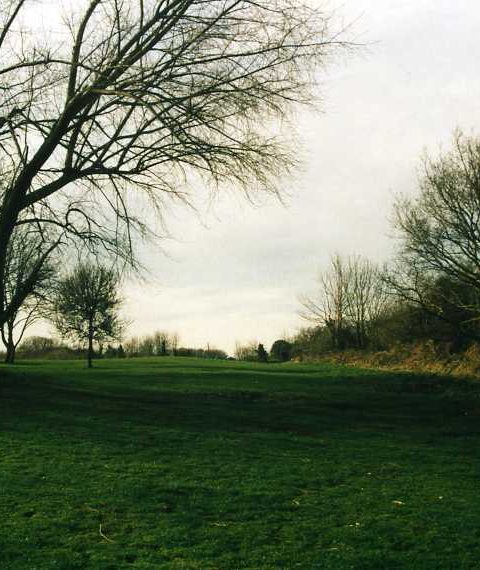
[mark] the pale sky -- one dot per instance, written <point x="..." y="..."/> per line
<point x="234" y="272"/>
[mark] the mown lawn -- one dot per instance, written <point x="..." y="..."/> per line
<point x="189" y="464"/>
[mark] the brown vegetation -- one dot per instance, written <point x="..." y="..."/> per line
<point x="426" y="356"/>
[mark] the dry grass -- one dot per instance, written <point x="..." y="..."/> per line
<point x="427" y="357"/>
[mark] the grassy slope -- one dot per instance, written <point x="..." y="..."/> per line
<point x="193" y="464"/>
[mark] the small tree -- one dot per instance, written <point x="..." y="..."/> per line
<point x="281" y="350"/>
<point x="246" y="351"/>
<point x="30" y="278"/>
<point x="262" y="354"/>
<point x="87" y="306"/>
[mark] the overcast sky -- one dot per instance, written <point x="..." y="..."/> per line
<point x="234" y="272"/>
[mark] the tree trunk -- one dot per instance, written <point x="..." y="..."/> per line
<point x="10" y="356"/>
<point x="9" y="344"/>
<point x="360" y="337"/>
<point x="7" y="223"/>
<point x="90" y="345"/>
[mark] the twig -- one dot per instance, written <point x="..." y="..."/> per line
<point x="103" y="535"/>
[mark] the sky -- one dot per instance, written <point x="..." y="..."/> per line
<point x="233" y="272"/>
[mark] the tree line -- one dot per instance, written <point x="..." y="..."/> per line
<point x="116" y="111"/>
<point x="52" y="348"/>
<point x="430" y="290"/>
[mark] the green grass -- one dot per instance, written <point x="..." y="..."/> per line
<point x="190" y="464"/>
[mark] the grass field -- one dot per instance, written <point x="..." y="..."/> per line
<point x="188" y="464"/>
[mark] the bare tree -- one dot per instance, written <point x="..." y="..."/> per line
<point x="174" y="342"/>
<point x="366" y="297"/>
<point x="39" y="345"/>
<point x="147" y="346"/>
<point x="138" y="97"/>
<point x="132" y="346"/>
<point x="329" y="306"/>
<point x="439" y="232"/>
<point x="162" y="342"/>
<point x="248" y="351"/>
<point x="29" y="280"/>
<point x="351" y="296"/>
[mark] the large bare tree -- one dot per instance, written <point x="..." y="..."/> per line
<point x="439" y="233"/>
<point x="440" y="227"/>
<point x="126" y="100"/>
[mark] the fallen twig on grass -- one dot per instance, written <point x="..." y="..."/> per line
<point x="104" y="535"/>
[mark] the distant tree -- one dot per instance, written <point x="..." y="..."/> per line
<point x="262" y="354"/>
<point x="47" y="348"/>
<point x="37" y="345"/>
<point x="435" y="307"/>
<point x="174" y="340"/>
<point x="160" y="343"/>
<point x="147" y="346"/>
<point x="366" y="297"/>
<point x="86" y="307"/>
<point x="311" y="341"/>
<point x="281" y="350"/>
<point x="328" y="308"/>
<point x="246" y="351"/>
<point x="185" y="351"/>
<point x="110" y="352"/>
<point x="213" y="353"/>
<point x="351" y="297"/>
<point x="132" y="347"/>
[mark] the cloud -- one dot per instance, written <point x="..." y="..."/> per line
<point x="218" y="317"/>
<point x="234" y="271"/>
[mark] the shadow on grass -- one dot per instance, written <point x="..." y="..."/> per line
<point x="114" y="405"/>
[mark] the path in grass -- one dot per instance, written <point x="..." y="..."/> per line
<point x="187" y="464"/>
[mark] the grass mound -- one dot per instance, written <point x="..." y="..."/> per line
<point x="180" y="463"/>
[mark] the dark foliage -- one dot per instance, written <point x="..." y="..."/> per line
<point x="281" y="350"/>
<point x="262" y="354"/>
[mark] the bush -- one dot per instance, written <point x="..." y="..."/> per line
<point x="281" y="350"/>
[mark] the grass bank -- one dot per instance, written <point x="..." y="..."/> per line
<point x="423" y="357"/>
<point x="190" y="464"/>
